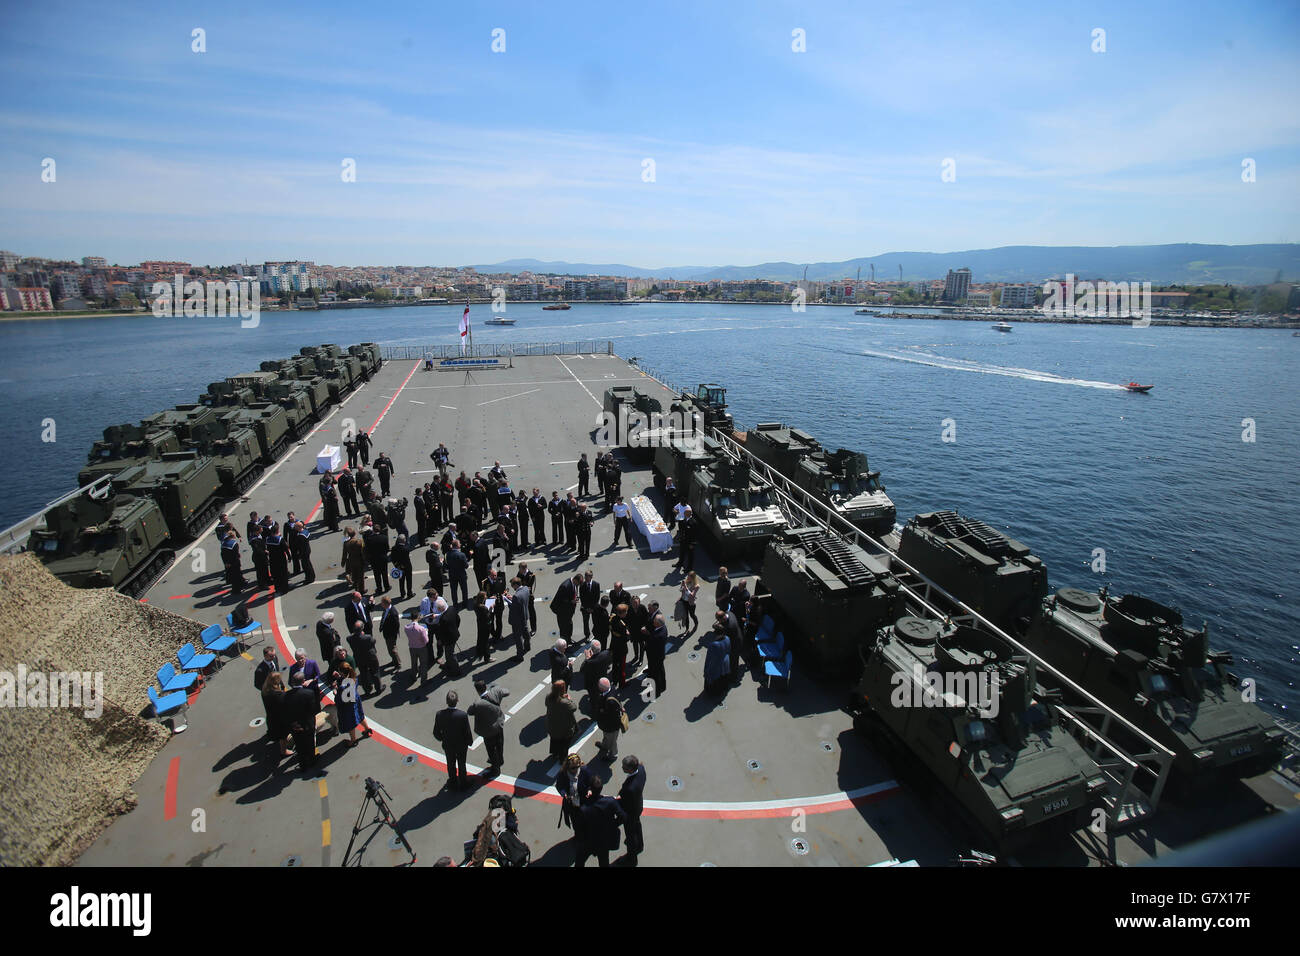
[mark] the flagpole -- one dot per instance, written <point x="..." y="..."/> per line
<point x="469" y="329"/>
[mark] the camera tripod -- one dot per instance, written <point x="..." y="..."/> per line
<point x="375" y="793"/>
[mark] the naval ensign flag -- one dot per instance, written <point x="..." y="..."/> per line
<point x="464" y="328"/>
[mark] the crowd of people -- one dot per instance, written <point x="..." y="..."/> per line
<point x="478" y="525"/>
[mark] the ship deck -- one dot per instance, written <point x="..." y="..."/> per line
<point x="766" y="777"/>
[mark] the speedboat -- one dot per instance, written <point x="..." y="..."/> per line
<point x="1003" y="327"/>
<point x="563" y="306"/>
<point x="498" y="320"/>
<point x="1135" y="387"/>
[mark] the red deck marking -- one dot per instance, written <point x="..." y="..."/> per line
<point x="169" y="797"/>
<point x="177" y="597"/>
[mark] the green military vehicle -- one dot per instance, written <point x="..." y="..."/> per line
<point x="269" y="422"/>
<point x="226" y="395"/>
<point x="184" y="484"/>
<point x="296" y="399"/>
<point x="238" y="460"/>
<point x="840" y="480"/>
<point x="114" y="541"/>
<point x="737" y="511"/>
<point x="957" y="701"/>
<point x="979" y="566"/>
<point x="195" y="425"/>
<point x="371" y="358"/>
<point x="123" y="446"/>
<point x="1140" y="658"/>
<point x="832" y="597"/>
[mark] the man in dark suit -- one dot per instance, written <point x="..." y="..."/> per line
<point x="519" y="601"/>
<point x="556" y="508"/>
<point x="277" y="560"/>
<point x="384" y="469"/>
<point x="366" y="653"/>
<point x="327" y="636"/>
<point x="457" y="573"/>
<point x="451" y="728"/>
<point x="589" y="598"/>
<point x="390" y="626"/>
<point x="400" y="555"/>
<point x="301" y="705"/>
<point x="358" y="609"/>
<point x="686" y="536"/>
<point x="348" y="491"/>
<point x="602" y="816"/>
<point x="631" y="797"/>
<point x="537" y="511"/>
<point x="301" y="543"/>
<point x="448" y="637"/>
<point x="270" y="665"/>
<point x="363" y="446"/>
<point x="564" y="604"/>
<point x="594" y="668"/>
<point x="574" y="784"/>
<point x="656" y="647"/>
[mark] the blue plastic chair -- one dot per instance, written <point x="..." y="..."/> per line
<point x="169" y="706"/>
<point x="781" y="669"/>
<point x="248" y="628"/>
<point x="169" y="680"/>
<point x="192" y="660"/>
<point x="772" y="650"/>
<point x="217" y="642"/>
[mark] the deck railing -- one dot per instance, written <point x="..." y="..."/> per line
<point x="403" y="353"/>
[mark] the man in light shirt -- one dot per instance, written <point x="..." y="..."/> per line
<point x="620" y="523"/>
<point x="417" y="637"/>
<point x="431" y="608"/>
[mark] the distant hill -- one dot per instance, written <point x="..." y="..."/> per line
<point x="1177" y="263"/>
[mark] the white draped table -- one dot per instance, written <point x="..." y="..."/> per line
<point x="650" y="524"/>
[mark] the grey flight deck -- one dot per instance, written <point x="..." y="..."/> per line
<point x="774" y="777"/>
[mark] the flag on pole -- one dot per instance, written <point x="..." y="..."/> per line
<point x="464" y="327"/>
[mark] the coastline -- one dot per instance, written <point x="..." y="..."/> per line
<point x="1024" y="317"/>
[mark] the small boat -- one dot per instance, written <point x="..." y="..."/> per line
<point x="1135" y="387"/>
<point x="498" y="320"/>
<point x="864" y="312"/>
<point x="559" y="307"/>
<point x="1003" y="327"/>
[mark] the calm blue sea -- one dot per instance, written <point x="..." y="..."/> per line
<point x="1047" y="448"/>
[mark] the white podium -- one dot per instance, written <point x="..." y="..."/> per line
<point x="328" y="459"/>
<point x="650" y="524"/>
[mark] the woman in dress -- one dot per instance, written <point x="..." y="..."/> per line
<point x="686" y="604"/>
<point x="277" y="726"/>
<point x="561" y="719"/>
<point x="348" y="699"/>
<point x="483" y="650"/>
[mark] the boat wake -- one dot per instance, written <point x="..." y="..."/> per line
<point x="984" y="368"/>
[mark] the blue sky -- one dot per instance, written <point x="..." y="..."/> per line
<point x="464" y="155"/>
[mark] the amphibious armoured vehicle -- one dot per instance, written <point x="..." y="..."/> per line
<point x="185" y="485"/>
<point x="841" y="480"/>
<point x="114" y="540"/>
<point x="956" y="700"/>
<point x="737" y="512"/>
<point x="1141" y="659"/>
<point x="123" y="446"/>
<point x="979" y="566"/>
<point x="831" y="597"/>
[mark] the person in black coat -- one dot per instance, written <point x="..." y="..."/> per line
<point x="589" y="599"/>
<point x="448" y="638"/>
<point x="301" y="545"/>
<point x="328" y="637"/>
<point x="564" y="604"/>
<point x="359" y="609"/>
<point x="631" y="797"/>
<point x="594" y="668"/>
<point x="537" y="511"/>
<point x="376" y="543"/>
<point x="602" y="816"/>
<point x="561" y="666"/>
<point x="686" y="536"/>
<point x="483" y="617"/>
<point x="574" y="784"/>
<point x="457" y="574"/>
<point x="277" y="560"/>
<point x="363" y="446"/>
<point x="300" y="706"/>
<point x="451" y="728"/>
<point x="584" y="476"/>
<point x="366" y="653"/>
<point x="400" y="555"/>
<point x="384" y="469"/>
<point x="656" y="647"/>
<point x="556" y="508"/>
<point x="390" y="626"/>
<point x="437" y="577"/>
<point x="348" y="492"/>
